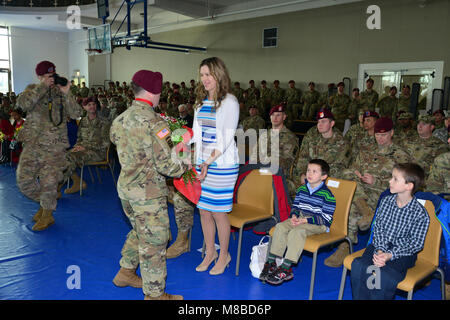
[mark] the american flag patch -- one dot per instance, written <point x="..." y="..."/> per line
<point x="163" y="133"/>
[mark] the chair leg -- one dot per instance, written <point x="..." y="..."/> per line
<point x="190" y="240"/>
<point x="441" y="274"/>
<point x="98" y="174"/>
<point x="410" y="294"/>
<point x="238" y="258"/>
<point x="342" y="286"/>
<point x="81" y="181"/>
<point x="114" y="178"/>
<point x="92" y="176"/>
<point x="350" y="244"/>
<point x="313" y="276"/>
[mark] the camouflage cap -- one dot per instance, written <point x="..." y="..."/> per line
<point x="426" y="119"/>
<point x="405" y="116"/>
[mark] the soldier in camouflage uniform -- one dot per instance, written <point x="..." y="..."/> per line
<point x="44" y="137"/>
<point x="264" y="101"/>
<point x="144" y="147"/>
<point x="372" y="171"/>
<point x="253" y="95"/>
<point x="424" y="147"/>
<point x="404" y="101"/>
<point x="254" y="121"/>
<point x="84" y="91"/>
<point x="356" y="131"/>
<point x="73" y="88"/>
<point x="365" y="141"/>
<point x="277" y="94"/>
<point x="184" y="91"/>
<point x="287" y="145"/>
<point x="328" y="145"/>
<point x="369" y="96"/>
<point x="166" y="91"/>
<point x="405" y="129"/>
<point x="309" y="101"/>
<point x="388" y="105"/>
<point x="237" y="91"/>
<point x="293" y="96"/>
<point x="439" y="178"/>
<point x="356" y="107"/>
<point x="92" y="143"/>
<point x="442" y="133"/>
<point x="339" y="104"/>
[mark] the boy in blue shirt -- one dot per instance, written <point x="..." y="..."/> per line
<point x="311" y="213"/>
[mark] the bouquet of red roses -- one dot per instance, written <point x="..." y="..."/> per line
<point x="187" y="184"/>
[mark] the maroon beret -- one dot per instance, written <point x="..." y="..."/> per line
<point x="331" y="85"/>
<point x="383" y="125"/>
<point x="278" y="108"/>
<point x="44" y="67"/>
<point x="341" y="84"/>
<point x="149" y="81"/>
<point x="87" y="100"/>
<point x="370" y="114"/>
<point x="324" y="113"/>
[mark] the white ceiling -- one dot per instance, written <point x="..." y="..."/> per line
<point x="162" y="15"/>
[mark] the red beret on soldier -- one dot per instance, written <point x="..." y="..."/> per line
<point x="383" y="125"/>
<point x="278" y="108"/>
<point x="324" y="113"/>
<point x="87" y="100"/>
<point x="149" y="81"/>
<point x="44" y="67"/>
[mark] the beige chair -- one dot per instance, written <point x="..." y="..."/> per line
<point x="254" y="203"/>
<point x="106" y="162"/>
<point x="343" y="191"/>
<point x="426" y="264"/>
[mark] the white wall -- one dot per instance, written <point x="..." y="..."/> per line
<point x="29" y="47"/>
<point x="77" y="58"/>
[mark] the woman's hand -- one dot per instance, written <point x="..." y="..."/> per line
<point x="204" y="171"/>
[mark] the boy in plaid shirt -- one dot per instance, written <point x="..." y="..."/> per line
<point x="399" y="231"/>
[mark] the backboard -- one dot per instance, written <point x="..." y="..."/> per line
<point x="99" y="39"/>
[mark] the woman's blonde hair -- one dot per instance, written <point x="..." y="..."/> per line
<point x="220" y="73"/>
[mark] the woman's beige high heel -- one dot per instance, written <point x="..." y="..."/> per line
<point x="203" y="266"/>
<point x="216" y="271"/>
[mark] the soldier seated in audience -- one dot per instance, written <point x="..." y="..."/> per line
<point x="184" y="115"/>
<point x="356" y="106"/>
<point x="309" y="101"/>
<point x="388" y="105"/>
<point x="442" y="133"/>
<point x="367" y="139"/>
<point x="92" y="143"/>
<point x="405" y="128"/>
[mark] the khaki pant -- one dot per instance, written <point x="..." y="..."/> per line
<point x="293" y="238"/>
<point x="146" y="242"/>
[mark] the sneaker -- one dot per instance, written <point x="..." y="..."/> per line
<point x="268" y="269"/>
<point x="280" y="275"/>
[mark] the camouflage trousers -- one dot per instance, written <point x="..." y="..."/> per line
<point x="183" y="210"/>
<point x="78" y="159"/>
<point x="362" y="192"/>
<point x="146" y="242"/>
<point x="39" y="172"/>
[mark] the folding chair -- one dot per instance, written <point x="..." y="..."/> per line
<point x="427" y="260"/>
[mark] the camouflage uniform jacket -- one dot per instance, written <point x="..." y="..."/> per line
<point x="387" y="106"/>
<point x="39" y="129"/>
<point x="339" y="104"/>
<point x="293" y="96"/>
<point x="370" y="99"/>
<point x="423" y="151"/>
<point x="254" y="122"/>
<point x="439" y="178"/>
<point x="276" y="96"/>
<point x="93" y="135"/>
<point x="379" y="162"/>
<point x="334" y="150"/>
<point x="144" y="146"/>
<point x="310" y="97"/>
<point x="403" y="104"/>
<point x="363" y="142"/>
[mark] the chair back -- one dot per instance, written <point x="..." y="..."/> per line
<point x="107" y="152"/>
<point x="257" y="191"/>
<point x="343" y="191"/>
<point x="431" y="246"/>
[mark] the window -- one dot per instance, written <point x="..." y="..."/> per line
<point x="270" y="38"/>
<point x="5" y="64"/>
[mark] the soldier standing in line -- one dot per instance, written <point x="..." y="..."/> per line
<point x="293" y="96"/>
<point x="388" y="105"/>
<point x="44" y="137"/>
<point x="404" y="101"/>
<point x="144" y="145"/>
<point x="253" y="95"/>
<point x="309" y="102"/>
<point x="238" y="92"/>
<point x="265" y="101"/>
<point x="84" y="91"/>
<point x="369" y="96"/>
<point x="92" y="143"/>
<point x="254" y="121"/>
<point x="339" y="104"/>
<point x="277" y="94"/>
<point x="372" y="171"/>
<point x="356" y="107"/>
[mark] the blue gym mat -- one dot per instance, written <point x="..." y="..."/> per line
<point x="87" y="238"/>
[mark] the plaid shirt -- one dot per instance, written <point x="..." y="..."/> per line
<point x="400" y="231"/>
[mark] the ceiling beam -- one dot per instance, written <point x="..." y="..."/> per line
<point x="184" y="8"/>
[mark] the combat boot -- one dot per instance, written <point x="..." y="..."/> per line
<point x="336" y="259"/>
<point x="127" y="277"/>
<point x="76" y="185"/>
<point x="38" y="215"/>
<point x="165" y="296"/>
<point x="45" y="221"/>
<point x="367" y="214"/>
<point x="180" y="246"/>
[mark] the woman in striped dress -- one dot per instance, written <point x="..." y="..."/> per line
<point x="215" y="122"/>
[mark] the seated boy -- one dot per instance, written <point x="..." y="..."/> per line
<point x="312" y="213"/>
<point x="399" y="231"/>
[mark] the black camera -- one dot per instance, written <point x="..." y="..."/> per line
<point x="59" y="80"/>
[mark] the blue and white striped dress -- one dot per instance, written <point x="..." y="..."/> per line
<point x="218" y="186"/>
